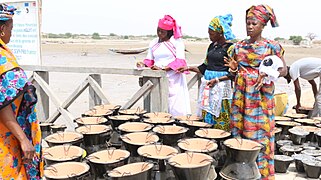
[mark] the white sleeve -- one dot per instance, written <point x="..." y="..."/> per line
<point x="180" y="49"/>
<point x="150" y="55"/>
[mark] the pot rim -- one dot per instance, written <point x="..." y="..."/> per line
<point x="86" y="129"/>
<point x="196" y="123"/>
<point x="108" y="152"/>
<point x="53" y="168"/>
<point x="205" y="132"/>
<point x="137" y="111"/>
<point x="161" y="129"/>
<point x="126" y="138"/>
<point x="282" y="118"/>
<point x="288" y="123"/>
<point x="99" y="120"/>
<point x="146" y="166"/>
<point x="189" y="117"/>
<point x="141" y="152"/>
<point x="124" y="117"/>
<point x="205" y="162"/>
<point x="182" y="143"/>
<point x="51" y="138"/>
<point x="65" y="148"/>
<point x="157" y="114"/>
<point x="122" y="127"/>
<point x="296" y="115"/>
<point x="159" y="120"/>
<point x="240" y="141"/>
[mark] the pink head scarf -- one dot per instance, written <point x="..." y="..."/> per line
<point x="169" y="23"/>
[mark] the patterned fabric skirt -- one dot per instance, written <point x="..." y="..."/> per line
<point x="223" y="120"/>
<point x="252" y="117"/>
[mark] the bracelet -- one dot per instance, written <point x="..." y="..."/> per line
<point x="233" y="71"/>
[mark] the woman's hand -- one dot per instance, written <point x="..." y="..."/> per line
<point x="155" y="68"/>
<point x="259" y="81"/>
<point x="182" y="69"/>
<point x="28" y="150"/>
<point x="231" y="63"/>
<point x="212" y="82"/>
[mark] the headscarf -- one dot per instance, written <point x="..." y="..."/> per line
<point x="263" y="13"/>
<point x="169" y="23"/>
<point x="222" y="24"/>
<point x="6" y="12"/>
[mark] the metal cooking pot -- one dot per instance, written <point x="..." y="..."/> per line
<point x="68" y="171"/>
<point x="54" y="154"/>
<point x="170" y="134"/>
<point x="133" y="171"/>
<point x="94" y="134"/>
<point x="60" y="138"/>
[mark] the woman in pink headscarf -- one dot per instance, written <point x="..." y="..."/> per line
<point x="252" y="111"/>
<point x="167" y="52"/>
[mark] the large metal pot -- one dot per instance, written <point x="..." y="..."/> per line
<point x="58" y="128"/>
<point x="68" y="171"/>
<point x="241" y="159"/>
<point x="282" y="163"/>
<point x="120" y="119"/>
<point x="45" y="129"/>
<point x="191" y="166"/>
<point x="159" y="121"/>
<point x="102" y="110"/>
<point x="158" y="153"/>
<point x="188" y="117"/>
<point x="62" y="153"/>
<point x="91" y="121"/>
<point x="200" y="145"/>
<point x="60" y="138"/>
<point x="193" y="126"/>
<point x="157" y="114"/>
<point x="215" y="134"/>
<point x="106" y="160"/>
<point x="130" y="127"/>
<point x="170" y="134"/>
<point x="298" y="135"/>
<point x="138" y="112"/>
<point x="132" y="141"/>
<point x="286" y="125"/>
<point x="95" y="134"/>
<point x="133" y="171"/>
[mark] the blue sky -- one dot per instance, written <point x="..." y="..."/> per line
<point x="140" y="17"/>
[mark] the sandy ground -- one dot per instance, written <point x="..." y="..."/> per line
<point x="120" y="88"/>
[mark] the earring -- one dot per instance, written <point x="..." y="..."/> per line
<point x="2" y="34"/>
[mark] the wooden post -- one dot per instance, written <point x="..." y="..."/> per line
<point x="94" y="99"/>
<point x="43" y="98"/>
<point x="157" y="100"/>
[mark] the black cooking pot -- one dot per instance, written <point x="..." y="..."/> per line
<point x="158" y="154"/>
<point x="298" y="158"/>
<point x="138" y="112"/>
<point x="132" y="141"/>
<point x="282" y="163"/>
<point x="61" y="138"/>
<point x="68" y="171"/>
<point x="81" y="121"/>
<point x="45" y="129"/>
<point x="298" y="135"/>
<point x="62" y="153"/>
<point x="106" y="160"/>
<point x="157" y="114"/>
<point x="58" y="128"/>
<point x="277" y="133"/>
<point x="120" y="119"/>
<point x="193" y="126"/>
<point x="286" y="125"/>
<point x="94" y="134"/>
<point x="130" y="127"/>
<point x="155" y="121"/>
<point x="170" y="134"/>
<point x="289" y="150"/>
<point x="104" y="110"/>
<point x="133" y="171"/>
<point x="188" y="117"/>
<point x="214" y="134"/>
<point x="191" y="166"/>
<point x="312" y="168"/>
<point x="241" y="159"/>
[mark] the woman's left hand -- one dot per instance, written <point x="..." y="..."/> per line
<point x="259" y="81"/>
<point x="212" y="82"/>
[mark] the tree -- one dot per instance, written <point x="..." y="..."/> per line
<point x="311" y="36"/>
<point x="95" y="36"/>
<point x="68" y="35"/>
<point x="296" y="39"/>
<point x="279" y="39"/>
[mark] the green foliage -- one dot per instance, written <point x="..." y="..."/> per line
<point x="126" y="37"/>
<point x="112" y="34"/>
<point x="296" y="39"/>
<point x="279" y="39"/>
<point x="95" y="36"/>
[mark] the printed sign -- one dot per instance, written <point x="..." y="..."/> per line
<point x="25" y="39"/>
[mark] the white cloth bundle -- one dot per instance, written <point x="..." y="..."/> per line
<point x="270" y="66"/>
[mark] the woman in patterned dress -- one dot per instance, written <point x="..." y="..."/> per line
<point x="217" y="110"/>
<point x="252" y="111"/>
<point x="20" y="136"/>
<point x="167" y="52"/>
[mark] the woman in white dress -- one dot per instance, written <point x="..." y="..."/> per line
<point x="167" y="52"/>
